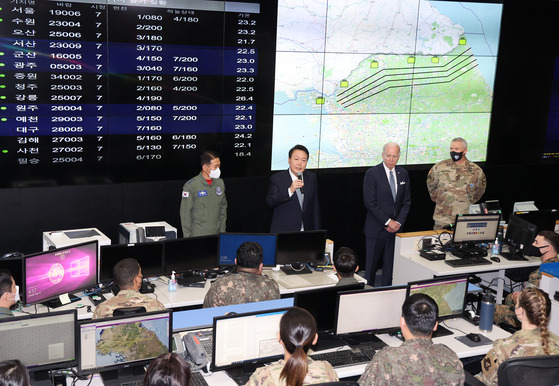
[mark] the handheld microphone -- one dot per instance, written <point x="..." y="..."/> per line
<point x="300" y="176"/>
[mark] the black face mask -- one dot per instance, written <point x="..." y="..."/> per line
<point x="456" y="156"/>
<point x="531" y="250"/>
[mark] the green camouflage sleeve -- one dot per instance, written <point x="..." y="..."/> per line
<point x="433" y="183"/>
<point x="480" y="185"/>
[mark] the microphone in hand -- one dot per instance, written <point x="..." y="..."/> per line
<point x="300" y="176"/>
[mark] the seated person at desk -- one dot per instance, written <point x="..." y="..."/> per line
<point x="128" y="277"/>
<point x="547" y="244"/>
<point x="345" y="266"/>
<point x="297" y="334"/>
<point x="247" y="285"/>
<point x="532" y="309"/>
<point x="168" y="369"/>
<point x="9" y="293"/>
<point x="14" y="373"/>
<point x="417" y="360"/>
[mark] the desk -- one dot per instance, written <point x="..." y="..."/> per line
<point x="409" y="266"/>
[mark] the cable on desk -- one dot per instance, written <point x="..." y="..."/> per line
<point x="452" y="328"/>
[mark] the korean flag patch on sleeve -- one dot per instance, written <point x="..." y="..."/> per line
<point x="185" y="194"/>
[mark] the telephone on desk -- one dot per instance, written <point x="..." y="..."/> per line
<point x="195" y="351"/>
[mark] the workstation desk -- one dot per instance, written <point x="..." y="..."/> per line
<point x="410" y="266"/>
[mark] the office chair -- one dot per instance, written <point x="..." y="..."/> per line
<point x="338" y="383"/>
<point x="533" y="371"/>
<point x="128" y="311"/>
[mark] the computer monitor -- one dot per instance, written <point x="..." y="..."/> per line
<point x="294" y="248"/>
<point x="243" y="341"/>
<point x="476" y="228"/>
<point x="119" y="347"/>
<point x="520" y="233"/>
<point x="362" y="314"/>
<point x="41" y="342"/>
<point x="15" y="266"/>
<point x="56" y="272"/>
<point x="148" y="255"/>
<point x="543" y="219"/>
<point x="190" y="254"/>
<point x="448" y="292"/>
<point x="230" y="242"/>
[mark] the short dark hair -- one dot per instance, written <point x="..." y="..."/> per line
<point x="552" y="238"/>
<point x="125" y="271"/>
<point x="250" y="255"/>
<point x="207" y="157"/>
<point x="345" y="261"/>
<point x="6" y="281"/>
<point x="13" y="373"/>
<point x="298" y="147"/>
<point x="168" y="369"/>
<point x="420" y="313"/>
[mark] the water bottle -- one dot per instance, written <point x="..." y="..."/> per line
<point x="486" y="313"/>
<point x="496" y="247"/>
<point x="172" y="283"/>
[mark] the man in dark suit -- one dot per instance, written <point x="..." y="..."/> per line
<point x="293" y="194"/>
<point x="386" y="192"/>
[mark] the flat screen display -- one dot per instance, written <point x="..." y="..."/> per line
<point x="148" y="255"/>
<point x="545" y="219"/>
<point x="476" y="228"/>
<point x="118" y="342"/>
<point x="449" y="293"/>
<point x="520" y="232"/>
<point x="191" y="253"/>
<point x="300" y="247"/>
<point x="56" y="272"/>
<point x="230" y="242"/>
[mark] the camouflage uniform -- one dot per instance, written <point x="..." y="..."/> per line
<point x="318" y="372"/>
<point x="504" y="313"/>
<point x="415" y="362"/>
<point x="454" y="188"/>
<point x="242" y="287"/>
<point x="524" y="343"/>
<point x="124" y="299"/>
<point x="203" y="208"/>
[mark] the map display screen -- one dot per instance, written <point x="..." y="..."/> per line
<point x="106" y="344"/>
<point x="353" y="75"/>
<point x="448" y="293"/>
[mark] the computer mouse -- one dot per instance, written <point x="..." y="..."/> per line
<point x="473" y="337"/>
<point x="495" y="259"/>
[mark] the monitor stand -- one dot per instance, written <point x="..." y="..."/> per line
<point x="117" y="377"/>
<point x="55" y="303"/>
<point x="296" y="269"/>
<point x="241" y="374"/>
<point x="441" y="331"/>
<point x="364" y="339"/>
<point x="40" y="378"/>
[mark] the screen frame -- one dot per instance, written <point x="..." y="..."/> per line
<point x="50" y="251"/>
<point x="119" y="366"/>
<point x="279" y="235"/>
<point x="250" y="362"/>
<point x="481" y="216"/>
<point x="250" y="234"/>
<point x="522" y="226"/>
<point x="443" y="279"/>
<point x="192" y="267"/>
<point x="130" y="247"/>
<point x="57" y="365"/>
<point x="368" y="290"/>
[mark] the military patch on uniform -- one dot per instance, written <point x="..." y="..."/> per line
<point x="202" y="193"/>
<point x="218" y="191"/>
<point x="185" y="194"/>
<point x="471" y="185"/>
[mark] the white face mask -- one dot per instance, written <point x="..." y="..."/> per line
<point x="215" y="173"/>
<point x="16" y="295"/>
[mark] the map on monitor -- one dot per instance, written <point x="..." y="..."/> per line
<point x="448" y="293"/>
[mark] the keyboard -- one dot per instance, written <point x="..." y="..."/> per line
<point x="347" y="357"/>
<point x="138" y="382"/>
<point x="197" y="379"/>
<point x="468" y="262"/>
<point x="513" y="257"/>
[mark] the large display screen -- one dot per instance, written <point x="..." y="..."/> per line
<point x="353" y="75"/>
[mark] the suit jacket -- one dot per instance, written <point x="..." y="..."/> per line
<point x="288" y="214"/>
<point x="379" y="202"/>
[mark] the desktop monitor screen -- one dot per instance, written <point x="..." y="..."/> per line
<point x="52" y="273"/>
<point x="476" y="228"/>
<point x="520" y="232"/>
<point x="15" y="266"/>
<point x="148" y="255"/>
<point x="246" y="339"/>
<point x="106" y="345"/>
<point x="374" y="310"/>
<point x="190" y="254"/>
<point x="41" y="342"/>
<point x="543" y="219"/>
<point x="448" y="292"/>
<point x="300" y="247"/>
<point x="230" y="242"/>
<point x="320" y="303"/>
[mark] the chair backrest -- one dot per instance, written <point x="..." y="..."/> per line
<point x="338" y="383"/>
<point x="128" y="311"/>
<point x="533" y="371"/>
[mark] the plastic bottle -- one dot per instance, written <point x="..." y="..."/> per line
<point x="172" y="283"/>
<point x="496" y="247"/>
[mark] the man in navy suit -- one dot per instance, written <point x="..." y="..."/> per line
<point x="293" y="195"/>
<point x="386" y="192"/>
